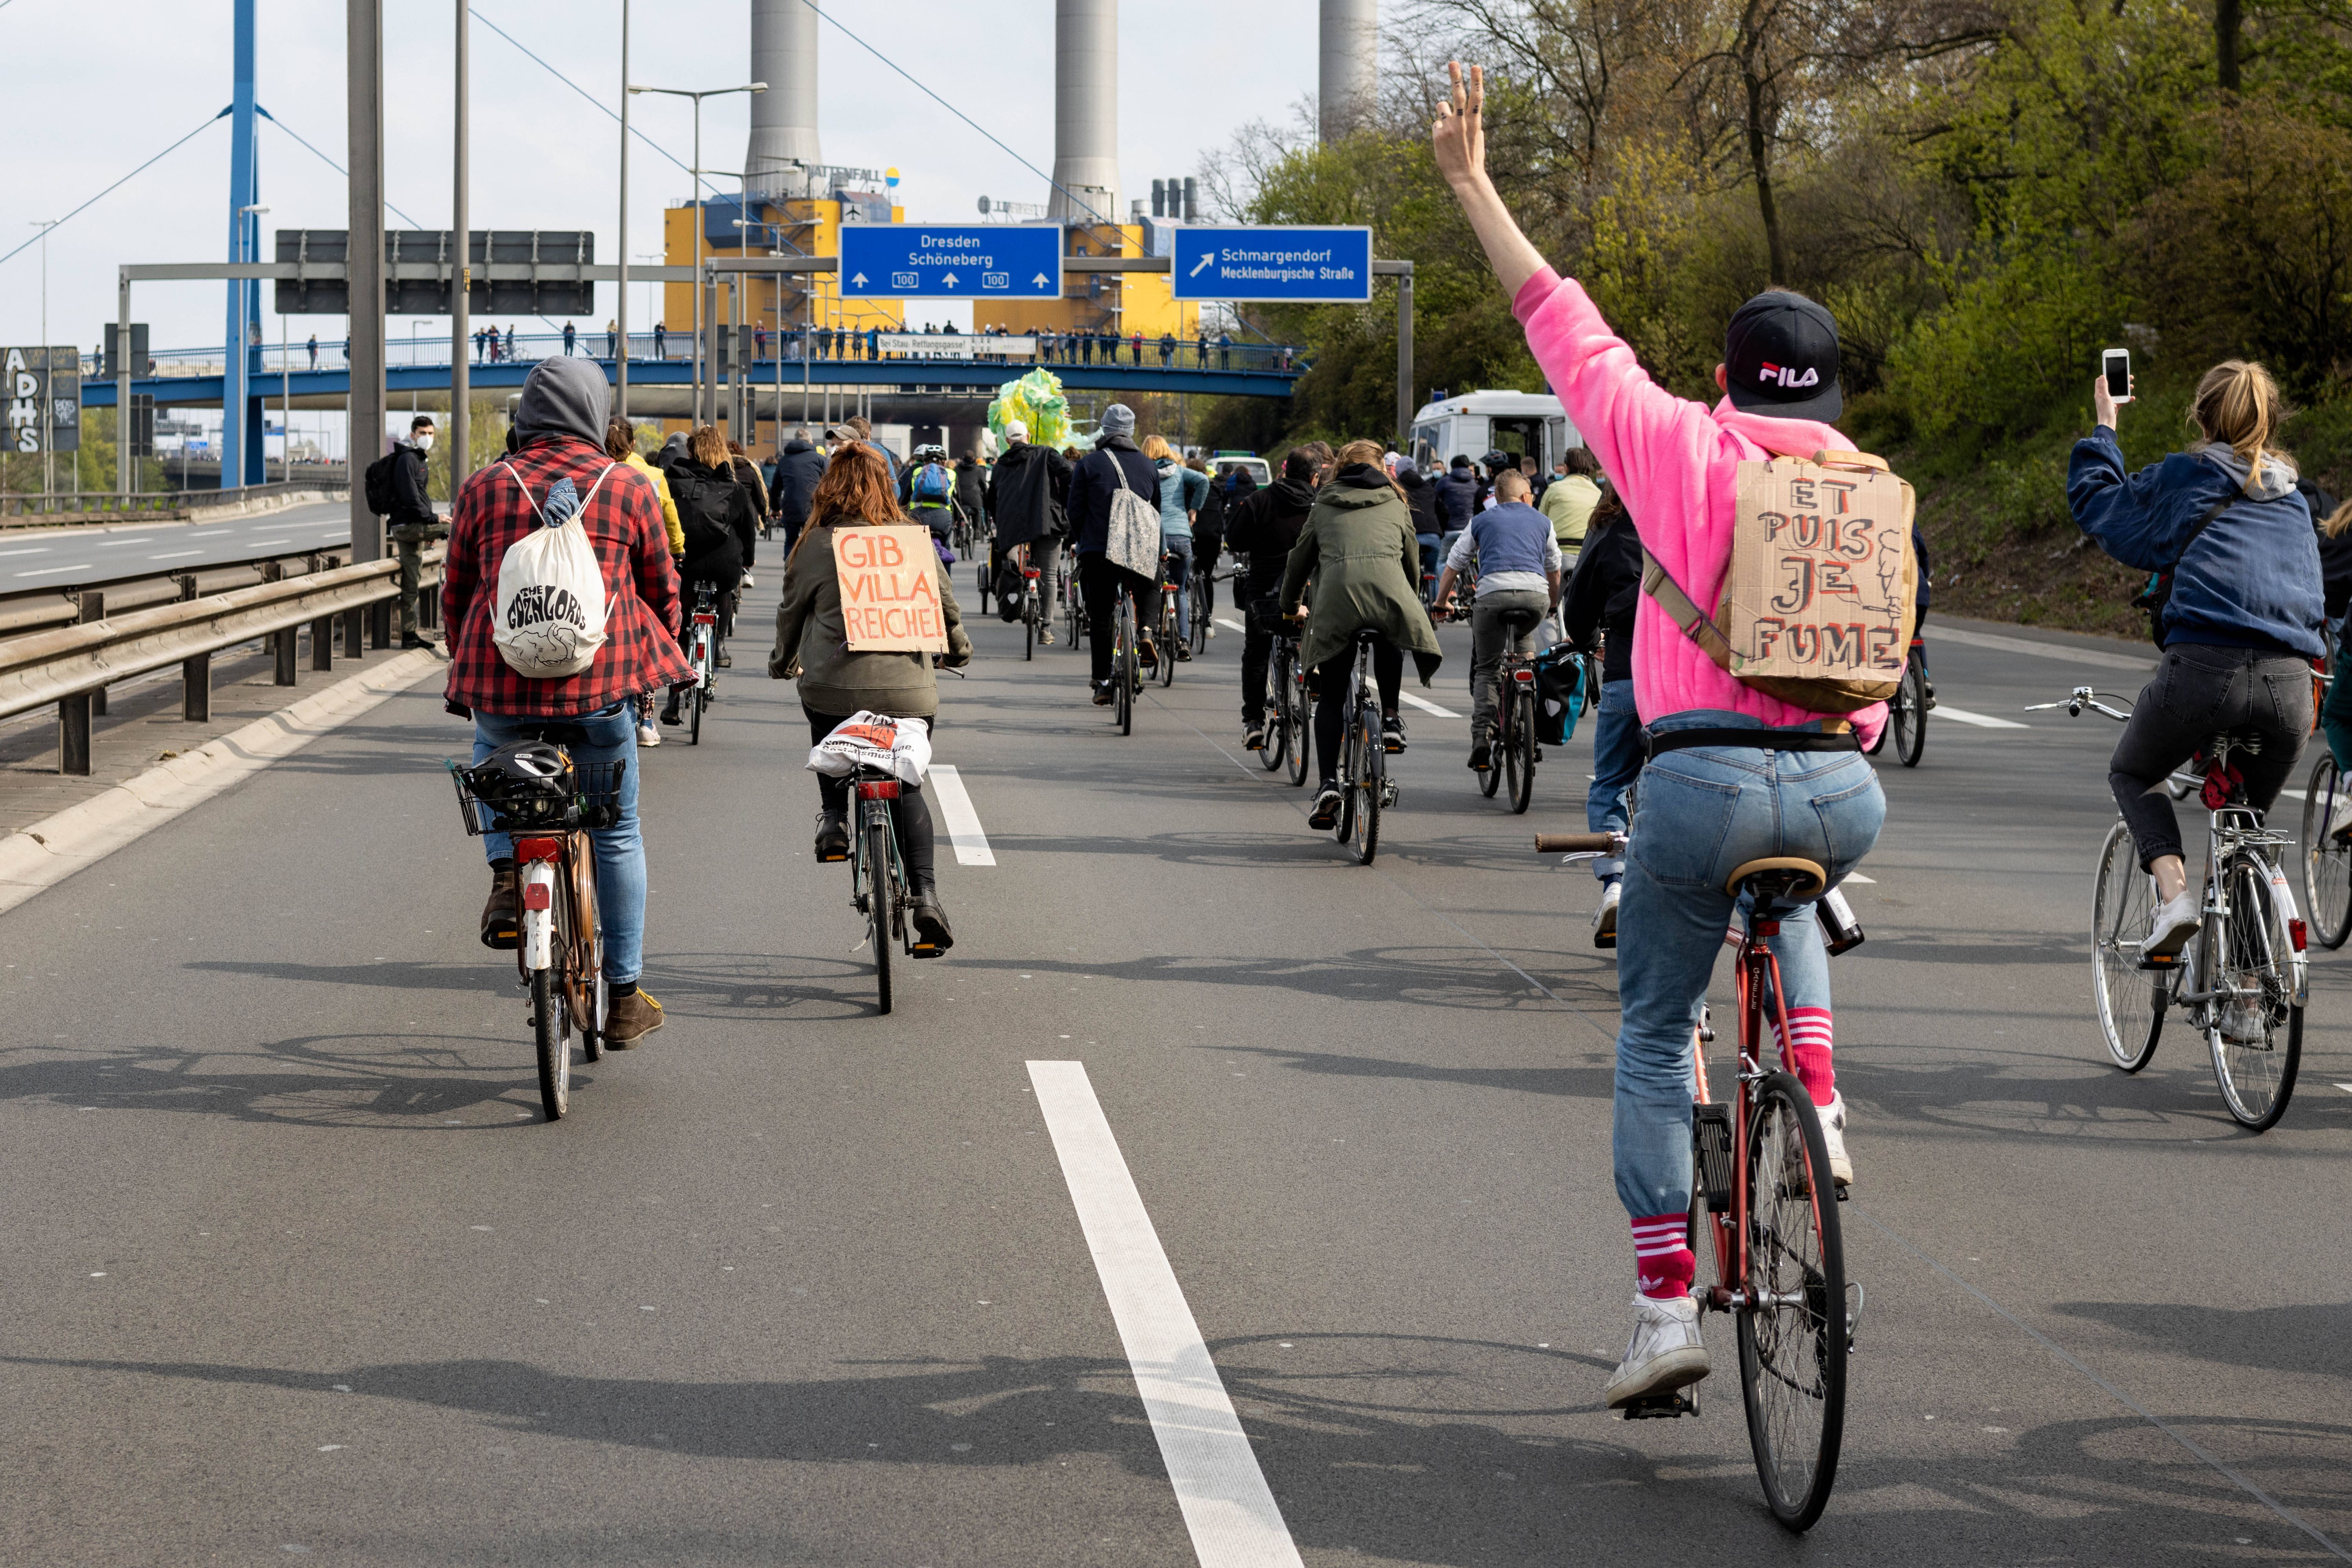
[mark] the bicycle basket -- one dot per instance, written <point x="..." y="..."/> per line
<point x="491" y="799"/>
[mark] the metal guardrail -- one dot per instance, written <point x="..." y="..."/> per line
<point x="72" y="661"/>
<point x="58" y="605"/>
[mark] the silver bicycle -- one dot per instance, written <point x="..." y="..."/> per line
<point x="2243" y="978"/>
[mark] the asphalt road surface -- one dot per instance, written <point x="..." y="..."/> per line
<point x="296" y="1270"/>
<point x="62" y="558"/>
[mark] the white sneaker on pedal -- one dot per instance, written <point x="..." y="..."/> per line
<point x="2176" y="921"/>
<point x="2339" y="820"/>
<point x="646" y="734"/>
<point x="1663" y="1354"/>
<point x="1832" y="1117"/>
<point x="1605" y="919"/>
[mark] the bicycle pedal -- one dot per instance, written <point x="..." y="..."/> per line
<point x="924" y="949"/>
<point x="1683" y="1401"/>
<point x="831" y="860"/>
<point x="2171" y="960"/>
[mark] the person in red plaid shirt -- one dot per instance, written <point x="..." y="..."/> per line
<point x="560" y="425"/>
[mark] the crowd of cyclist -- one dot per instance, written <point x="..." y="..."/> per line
<point x="1358" y="540"/>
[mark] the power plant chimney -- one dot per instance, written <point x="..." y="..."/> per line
<point x="783" y="118"/>
<point x="1086" y="111"/>
<point x="1350" y="38"/>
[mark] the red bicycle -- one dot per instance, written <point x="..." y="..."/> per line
<point x="1760" y="1170"/>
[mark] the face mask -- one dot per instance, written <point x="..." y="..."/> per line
<point x="426" y="440"/>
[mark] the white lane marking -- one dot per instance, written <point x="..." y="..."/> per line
<point x="2040" y="649"/>
<point x="1858" y="876"/>
<point x="174" y="554"/>
<point x="1428" y="707"/>
<point x="1233" y="1517"/>
<point x="270" y="542"/>
<point x="28" y="549"/>
<point x="2346" y="1087"/>
<point x="209" y="532"/>
<point x="1982" y="721"/>
<point x="963" y="823"/>
<point x="110" y="543"/>
<point x="53" y="571"/>
<point x="1234" y="625"/>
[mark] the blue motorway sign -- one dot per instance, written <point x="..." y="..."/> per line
<point x="1295" y="265"/>
<point x="952" y="261"/>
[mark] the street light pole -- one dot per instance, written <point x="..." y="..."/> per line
<point x="621" y="366"/>
<point x="461" y="301"/>
<point x="695" y="173"/>
<point x="285" y="394"/>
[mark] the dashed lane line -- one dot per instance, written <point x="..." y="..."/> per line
<point x="2097" y="660"/>
<point x="1982" y="721"/>
<point x="963" y="823"/>
<point x="1428" y="707"/>
<point x="1221" y="620"/>
<point x="1228" y="1508"/>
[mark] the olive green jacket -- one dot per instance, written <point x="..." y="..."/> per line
<point x="1358" y="546"/>
<point x="813" y="646"/>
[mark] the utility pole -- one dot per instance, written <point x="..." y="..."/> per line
<point x="240" y="430"/>
<point x="695" y="175"/>
<point x="49" y="367"/>
<point x="461" y="300"/>
<point x="621" y="366"/>
<point x="364" y="93"/>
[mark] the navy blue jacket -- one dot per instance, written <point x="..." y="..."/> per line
<point x="2251" y="580"/>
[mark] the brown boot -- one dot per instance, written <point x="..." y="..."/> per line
<point x="502" y="916"/>
<point x="632" y="1018"/>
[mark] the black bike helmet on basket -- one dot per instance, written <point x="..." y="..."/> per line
<point x="522" y="774"/>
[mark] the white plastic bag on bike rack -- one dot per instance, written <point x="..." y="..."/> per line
<point x="900" y="747"/>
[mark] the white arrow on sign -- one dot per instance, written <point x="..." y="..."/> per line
<point x="948" y="281"/>
<point x="1042" y="280"/>
<point x="858" y="280"/>
<point x="1202" y="266"/>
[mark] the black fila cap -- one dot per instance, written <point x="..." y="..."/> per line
<point x="1780" y="359"/>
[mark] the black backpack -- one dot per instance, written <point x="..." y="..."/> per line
<point x="703" y="505"/>
<point x="379" y="484"/>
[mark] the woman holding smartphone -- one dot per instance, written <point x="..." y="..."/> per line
<point x="2246" y="614"/>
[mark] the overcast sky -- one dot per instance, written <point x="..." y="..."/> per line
<point x="94" y="88"/>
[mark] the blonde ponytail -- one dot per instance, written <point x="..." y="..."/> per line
<point x="2237" y="404"/>
<point x="2337" y="521"/>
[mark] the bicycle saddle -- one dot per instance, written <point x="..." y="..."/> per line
<point x="1781" y="878"/>
<point x="1522" y="620"/>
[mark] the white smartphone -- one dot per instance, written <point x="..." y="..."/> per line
<point x="2116" y="364"/>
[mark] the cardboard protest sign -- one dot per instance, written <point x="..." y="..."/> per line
<point x="890" y="590"/>
<point x="1822" y="579"/>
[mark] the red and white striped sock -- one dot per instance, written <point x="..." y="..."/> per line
<point x="1808" y="1055"/>
<point x="1662" y="1264"/>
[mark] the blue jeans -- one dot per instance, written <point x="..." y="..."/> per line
<point x="1616" y="759"/>
<point x="620" y="848"/>
<point x="1701" y="813"/>
<point x="1429" y="559"/>
<point x="1181" y="575"/>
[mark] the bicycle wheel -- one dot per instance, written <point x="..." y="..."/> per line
<point x="1300" y="723"/>
<point x="880" y="897"/>
<point x="2130" y="999"/>
<point x="1029" y="627"/>
<point x="594" y="1001"/>
<point x="2326" y="864"/>
<point x="1909" y="718"/>
<point x="1199" y="591"/>
<point x="2254" y="1022"/>
<point x="1522" y="752"/>
<point x="1372" y="772"/>
<point x="1123" y="667"/>
<point x="551" y="1019"/>
<point x="1792" y="1331"/>
<point x="1166" y="642"/>
<point x="1274" y="745"/>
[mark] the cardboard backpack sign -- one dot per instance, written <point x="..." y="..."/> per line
<point x="1819" y="598"/>
<point x="550" y="601"/>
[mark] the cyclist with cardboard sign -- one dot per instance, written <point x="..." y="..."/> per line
<point x="865" y="613"/>
<point x="1751" y="745"/>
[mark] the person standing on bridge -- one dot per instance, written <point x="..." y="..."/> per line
<point x="567" y="340"/>
<point x="414" y="521"/>
<point x="511" y="341"/>
<point x="561" y="424"/>
<point x="314" y="350"/>
<point x="661" y="340"/>
<point x="835" y="682"/>
<point x="611" y="338"/>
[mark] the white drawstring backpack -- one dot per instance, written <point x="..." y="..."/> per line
<point x="550" y="601"/>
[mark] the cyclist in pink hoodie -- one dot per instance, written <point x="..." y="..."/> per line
<point x="1709" y="801"/>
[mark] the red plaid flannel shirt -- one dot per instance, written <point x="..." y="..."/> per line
<point x="623" y="520"/>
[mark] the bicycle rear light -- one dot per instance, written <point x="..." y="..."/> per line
<point x="703" y="620"/>
<point x="538" y="895"/>
<point x="1523" y="676"/>
<point x="878" y="789"/>
<point x="538" y="848"/>
<point x="2296" y="933"/>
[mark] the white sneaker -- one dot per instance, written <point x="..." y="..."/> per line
<point x="647" y="735"/>
<point x="1832" y="1117"/>
<point x="2176" y="921"/>
<point x="1663" y="1354"/>
<point x="1605" y="919"/>
<point x="2339" y="821"/>
<point x="1212" y="631"/>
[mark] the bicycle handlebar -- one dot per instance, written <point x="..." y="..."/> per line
<point x="1574" y="842"/>
<point x="2084" y="697"/>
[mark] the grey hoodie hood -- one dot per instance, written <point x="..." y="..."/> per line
<point x="2278" y="472"/>
<point x="564" y="398"/>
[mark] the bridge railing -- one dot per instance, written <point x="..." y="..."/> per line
<point x="32" y="509"/>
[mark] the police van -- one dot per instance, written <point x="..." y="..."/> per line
<point x="1524" y="423"/>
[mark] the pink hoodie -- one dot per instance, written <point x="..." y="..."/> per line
<point x="1674" y="463"/>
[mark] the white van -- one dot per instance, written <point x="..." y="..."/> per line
<point x="1524" y="423"/>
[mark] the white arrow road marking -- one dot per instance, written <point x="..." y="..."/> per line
<point x="1231" y="1515"/>
<point x="963" y="823"/>
<point x="1428" y="707"/>
<point x="1982" y="721"/>
<point x="1201" y="266"/>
